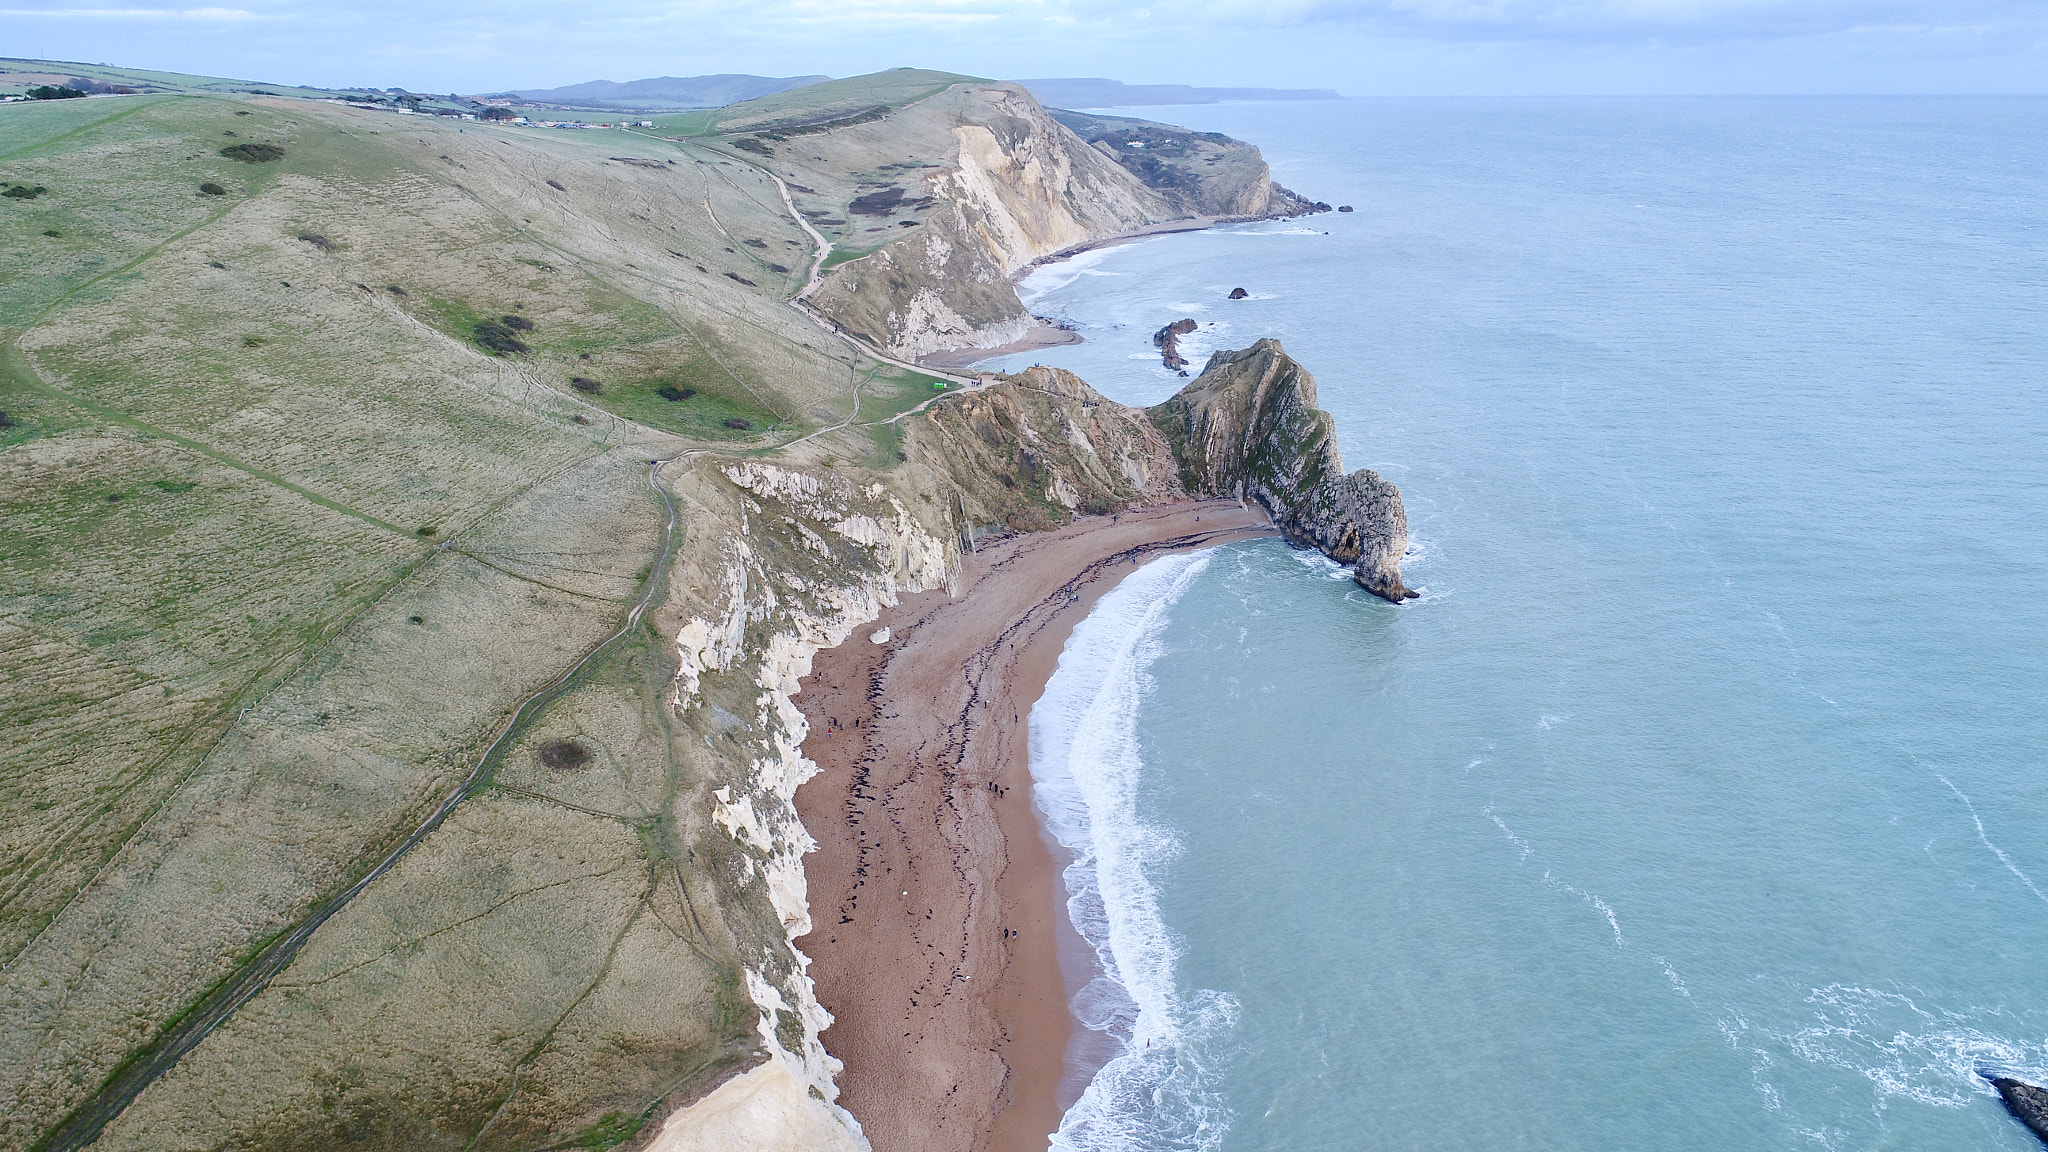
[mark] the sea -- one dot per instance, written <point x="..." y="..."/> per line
<point x="1701" y="801"/>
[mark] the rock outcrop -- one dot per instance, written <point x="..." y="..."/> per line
<point x="1239" y="294"/>
<point x="1250" y="427"/>
<point x="2027" y="1103"/>
<point x="1167" y="340"/>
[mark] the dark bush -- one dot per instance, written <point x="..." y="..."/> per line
<point x="563" y="755"/>
<point x="51" y="232"/>
<point x="426" y="530"/>
<point x="755" y="243"/>
<point x="556" y="187"/>
<point x="741" y="279"/>
<point x="497" y="337"/>
<point x="394" y="289"/>
<point x="517" y="323"/>
<point x="253" y="153"/>
<point x="778" y="268"/>
<point x="417" y="619"/>
<point x="23" y="192"/>
<point x="586" y="384"/>
<point x="212" y="189"/>
<point x="52" y="92"/>
<point x="671" y="392"/>
<point x="317" y="241"/>
<point x="881" y="203"/>
<point x="739" y="425"/>
<point x="6" y="421"/>
<point x="580" y="419"/>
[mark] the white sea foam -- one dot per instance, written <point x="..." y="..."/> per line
<point x="1905" y="1049"/>
<point x="1157" y="1092"/>
<point x="1995" y="849"/>
<point x="1060" y="273"/>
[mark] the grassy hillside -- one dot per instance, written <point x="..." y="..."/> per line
<point x="17" y="75"/>
<point x="813" y="102"/>
<point x="289" y="541"/>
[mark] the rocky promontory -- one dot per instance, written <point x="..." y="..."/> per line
<point x="1249" y="426"/>
<point x="2027" y="1103"/>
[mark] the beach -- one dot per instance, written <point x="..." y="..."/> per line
<point x="935" y="896"/>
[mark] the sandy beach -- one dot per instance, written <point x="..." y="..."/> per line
<point x="1043" y="334"/>
<point x="933" y="891"/>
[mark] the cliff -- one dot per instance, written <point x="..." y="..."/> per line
<point x="1198" y="173"/>
<point x="933" y="204"/>
<point x="1249" y="426"/>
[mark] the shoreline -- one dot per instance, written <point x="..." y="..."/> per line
<point x="929" y="853"/>
<point x="1045" y="334"/>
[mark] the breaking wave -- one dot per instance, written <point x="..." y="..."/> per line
<point x="1156" y="1093"/>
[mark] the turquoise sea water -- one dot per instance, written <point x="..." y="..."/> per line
<point x="1700" y="803"/>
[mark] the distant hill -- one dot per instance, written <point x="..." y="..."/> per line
<point x="665" y="92"/>
<point x="1095" y="92"/>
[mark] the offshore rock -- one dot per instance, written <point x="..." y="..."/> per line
<point x="2027" y="1103"/>
<point x="1250" y="427"/>
<point x="1239" y="294"/>
<point x="1167" y="340"/>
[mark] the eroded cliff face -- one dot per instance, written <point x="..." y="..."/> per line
<point x="1008" y="184"/>
<point x="1198" y="173"/>
<point x="1249" y="426"/>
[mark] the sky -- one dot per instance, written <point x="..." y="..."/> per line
<point x="1358" y="47"/>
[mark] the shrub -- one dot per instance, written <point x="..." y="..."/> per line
<point x="739" y="425"/>
<point x="317" y="241"/>
<point x="563" y="755"/>
<point x="586" y="384"/>
<point x="253" y="153"/>
<point x="53" y="92"/>
<point x="23" y="192"/>
<point x="426" y="530"/>
<point x="671" y="392"/>
<point x="51" y="232"/>
<point x="6" y="421"/>
<point x="497" y="337"/>
<point x="517" y="323"/>
<point x="212" y="189"/>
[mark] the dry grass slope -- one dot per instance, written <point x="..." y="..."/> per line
<point x="287" y="546"/>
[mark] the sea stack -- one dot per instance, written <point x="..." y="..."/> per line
<point x="1238" y="294"/>
<point x="2027" y="1103"/>
<point x="1250" y="427"/>
<point x="1167" y="340"/>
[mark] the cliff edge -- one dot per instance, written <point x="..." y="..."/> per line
<point x="1249" y="426"/>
